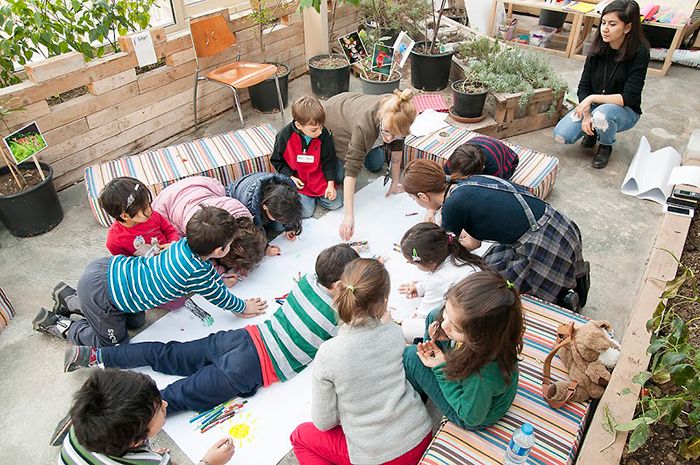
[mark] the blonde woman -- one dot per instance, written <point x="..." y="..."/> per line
<point x="368" y="130"/>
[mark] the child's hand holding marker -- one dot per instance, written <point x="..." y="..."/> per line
<point x="220" y="453"/>
<point x="409" y="290"/>
<point x="272" y="250"/>
<point x="230" y="278"/>
<point x="290" y="235"/>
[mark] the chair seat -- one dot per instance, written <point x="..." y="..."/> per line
<point x="242" y="74"/>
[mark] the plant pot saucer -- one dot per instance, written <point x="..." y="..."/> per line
<point x="465" y="120"/>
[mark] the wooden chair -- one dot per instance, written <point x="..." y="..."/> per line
<point x="211" y="36"/>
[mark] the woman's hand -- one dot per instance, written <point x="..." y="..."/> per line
<point x="584" y="108"/>
<point x="394" y="188"/>
<point x="290" y="235"/>
<point x="297" y="182"/>
<point x="331" y="193"/>
<point x="430" y="354"/>
<point x="409" y="290"/>
<point x="587" y="125"/>
<point x="220" y="453"/>
<point x="429" y="216"/>
<point x="347" y="228"/>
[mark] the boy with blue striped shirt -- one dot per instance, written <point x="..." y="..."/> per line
<point x="113" y="293"/>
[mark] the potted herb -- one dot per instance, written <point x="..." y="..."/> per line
<point x="29" y="204"/>
<point x="329" y="73"/>
<point x="469" y="97"/>
<point x="263" y="96"/>
<point x="430" y="62"/>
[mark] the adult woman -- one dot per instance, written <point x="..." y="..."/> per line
<point x="610" y="89"/>
<point x="365" y="129"/>
<point x="538" y="248"/>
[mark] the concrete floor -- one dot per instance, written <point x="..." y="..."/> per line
<point x="618" y="232"/>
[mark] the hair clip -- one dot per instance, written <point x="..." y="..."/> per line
<point x="509" y="284"/>
<point x="415" y="257"/>
<point x="132" y="196"/>
<point x="350" y="288"/>
<point x="448" y="178"/>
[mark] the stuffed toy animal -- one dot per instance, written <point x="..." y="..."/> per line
<point x="589" y="356"/>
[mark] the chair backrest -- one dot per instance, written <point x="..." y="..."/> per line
<point x="211" y="35"/>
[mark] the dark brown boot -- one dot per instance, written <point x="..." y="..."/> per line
<point x="602" y="157"/>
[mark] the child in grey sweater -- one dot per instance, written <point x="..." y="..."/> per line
<point x="359" y="383"/>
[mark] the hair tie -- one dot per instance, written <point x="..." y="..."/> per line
<point x="350" y="288"/>
<point x="415" y="257"/>
<point x="450" y="238"/>
<point x="509" y="284"/>
<point x="448" y="178"/>
<point x="132" y="196"/>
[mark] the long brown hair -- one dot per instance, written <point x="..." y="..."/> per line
<point x="430" y="245"/>
<point x="247" y="248"/>
<point x="423" y="175"/>
<point x="363" y="290"/>
<point x="628" y="12"/>
<point x="491" y="319"/>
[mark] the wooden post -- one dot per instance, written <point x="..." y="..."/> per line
<point x="316" y="31"/>
<point x="38" y="168"/>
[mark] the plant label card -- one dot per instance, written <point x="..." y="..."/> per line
<point x="353" y="47"/>
<point x="382" y="60"/>
<point x="25" y="143"/>
<point x="145" y="51"/>
<point x="402" y="48"/>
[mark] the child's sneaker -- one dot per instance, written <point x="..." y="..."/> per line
<point x="80" y="357"/>
<point x="51" y="323"/>
<point x="60" y="293"/>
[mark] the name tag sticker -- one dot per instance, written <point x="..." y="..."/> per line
<point x="302" y="158"/>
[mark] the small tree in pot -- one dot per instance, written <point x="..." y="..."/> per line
<point x="430" y="64"/>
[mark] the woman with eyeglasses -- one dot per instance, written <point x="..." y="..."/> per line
<point x="367" y="131"/>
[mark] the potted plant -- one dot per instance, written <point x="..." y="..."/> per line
<point x="329" y="73"/>
<point x="382" y="20"/>
<point x="373" y="81"/>
<point x="456" y="12"/>
<point x="263" y="96"/>
<point x="29" y="204"/>
<point x="431" y="62"/>
<point x="469" y="97"/>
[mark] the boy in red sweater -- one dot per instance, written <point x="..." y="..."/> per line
<point x="304" y="151"/>
<point x="138" y="229"/>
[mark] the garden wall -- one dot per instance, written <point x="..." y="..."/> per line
<point x="126" y="111"/>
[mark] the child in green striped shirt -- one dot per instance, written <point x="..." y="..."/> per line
<point x="238" y="362"/>
<point x="114" y="415"/>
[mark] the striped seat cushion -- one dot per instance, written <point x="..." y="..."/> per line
<point x="225" y="157"/>
<point x="7" y="312"/>
<point x="558" y="431"/>
<point x="536" y="171"/>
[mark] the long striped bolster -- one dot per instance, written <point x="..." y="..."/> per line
<point x="225" y="157"/>
<point x="536" y="171"/>
<point x="558" y="432"/>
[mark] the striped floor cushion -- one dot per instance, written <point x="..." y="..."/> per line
<point x="7" y="312"/>
<point x="558" y="432"/>
<point x="536" y="171"/>
<point x="225" y="157"/>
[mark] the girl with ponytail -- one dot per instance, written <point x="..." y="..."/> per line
<point x="368" y="130"/>
<point x="445" y="261"/>
<point x="475" y="381"/>
<point x="363" y="408"/>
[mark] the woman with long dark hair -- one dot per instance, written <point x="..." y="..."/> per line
<point x="610" y="89"/>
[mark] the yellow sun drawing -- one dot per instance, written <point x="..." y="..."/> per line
<point x="242" y="429"/>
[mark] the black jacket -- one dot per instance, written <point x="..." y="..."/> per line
<point x="328" y="158"/>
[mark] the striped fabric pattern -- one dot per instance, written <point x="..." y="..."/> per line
<point x="430" y="101"/>
<point x="137" y="284"/>
<point x="73" y="453"/>
<point x="7" y="311"/>
<point x="225" y="157"/>
<point x="558" y="432"/>
<point x="298" y="328"/>
<point x="536" y="171"/>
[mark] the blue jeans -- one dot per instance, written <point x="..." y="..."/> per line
<point x="218" y="367"/>
<point x="374" y="161"/>
<point x="308" y="204"/>
<point x="608" y="120"/>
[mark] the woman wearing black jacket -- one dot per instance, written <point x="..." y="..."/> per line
<point x="610" y="89"/>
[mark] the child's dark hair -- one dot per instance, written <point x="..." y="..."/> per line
<point x="331" y="262"/>
<point x="430" y="245"/>
<point x="628" y="12"/>
<point x="491" y="319"/>
<point x="247" y="248"/>
<point x="362" y="293"/>
<point x="466" y="160"/>
<point x="210" y="228"/>
<point x="284" y="204"/>
<point x="112" y="410"/>
<point x="124" y="195"/>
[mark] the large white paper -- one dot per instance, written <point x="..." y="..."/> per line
<point x="144" y="49"/>
<point x="274" y="412"/>
<point x="685" y="175"/>
<point x="428" y="122"/>
<point x="648" y="175"/>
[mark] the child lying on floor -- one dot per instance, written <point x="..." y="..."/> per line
<point x="238" y="362"/>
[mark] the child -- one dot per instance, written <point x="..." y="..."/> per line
<point x="273" y="200"/>
<point x="475" y="383"/>
<point x="362" y="407"/>
<point x="179" y="201"/>
<point x="113" y="293"/>
<point x="444" y="259"/>
<point x="138" y="230"/>
<point x="114" y="415"/>
<point x="304" y="151"/>
<point x="483" y="155"/>
<point x="236" y="363"/>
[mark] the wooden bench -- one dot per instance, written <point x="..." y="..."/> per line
<point x="225" y="157"/>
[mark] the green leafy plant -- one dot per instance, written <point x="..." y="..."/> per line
<point x="264" y="17"/>
<point x="51" y="27"/>
<point x="675" y="362"/>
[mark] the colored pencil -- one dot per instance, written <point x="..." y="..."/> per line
<point x="218" y="422"/>
<point x="411" y="213"/>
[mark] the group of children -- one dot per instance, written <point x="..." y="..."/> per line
<point x="199" y="237"/>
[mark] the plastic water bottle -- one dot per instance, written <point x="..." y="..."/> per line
<point x="520" y="444"/>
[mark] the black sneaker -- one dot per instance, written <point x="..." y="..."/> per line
<point x="583" y="284"/>
<point x="570" y="300"/>
<point x="61" y="431"/>
<point x="588" y="142"/>
<point x="602" y="157"/>
<point x="79" y="357"/>
<point x="51" y="323"/>
<point x="60" y="293"/>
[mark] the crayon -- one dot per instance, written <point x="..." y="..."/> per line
<point x="411" y="213"/>
<point x="218" y="422"/>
